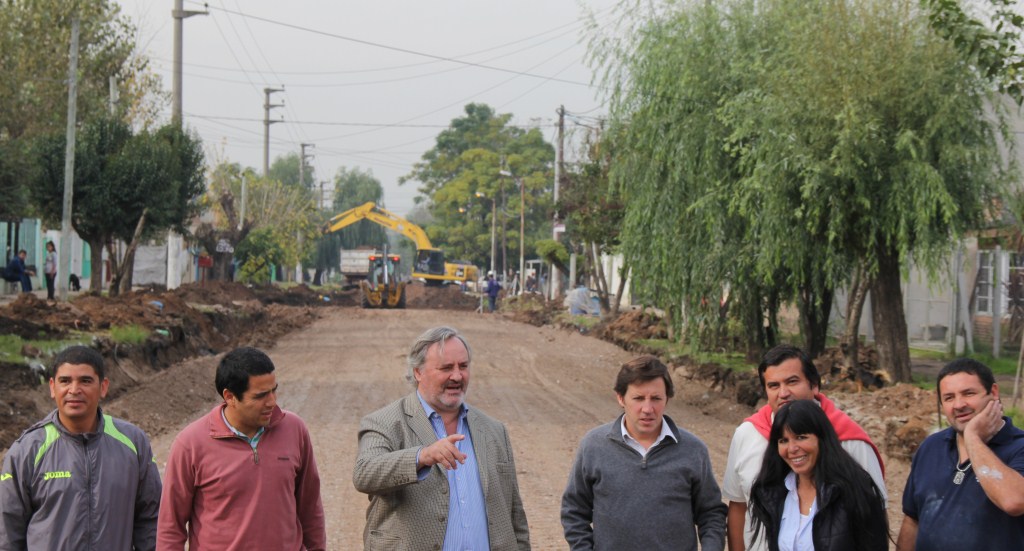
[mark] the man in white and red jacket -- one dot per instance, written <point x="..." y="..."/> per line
<point x="243" y="476"/>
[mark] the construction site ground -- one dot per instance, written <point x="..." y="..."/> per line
<point x="337" y="362"/>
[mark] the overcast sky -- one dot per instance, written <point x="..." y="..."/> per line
<point x="363" y="81"/>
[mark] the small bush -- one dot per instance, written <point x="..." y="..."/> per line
<point x="129" y="334"/>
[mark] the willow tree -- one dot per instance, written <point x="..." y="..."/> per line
<point x="804" y="139"/>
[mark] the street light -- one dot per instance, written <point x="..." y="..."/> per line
<point x="493" y="227"/>
<point x="522" y="228"/>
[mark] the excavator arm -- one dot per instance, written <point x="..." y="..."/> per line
<point x="370" y="211"/>
<point x="429" y="264"/>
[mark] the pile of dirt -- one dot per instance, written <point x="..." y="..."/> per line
<point x="904" y="413"/>
<point x="832" y="366"/>
<point x="631" y="327"/>
<point x="215" y="292"/>
<point x="531" y="308"/>
<point x="301" y="295"/>
<point x="446" y="297"/>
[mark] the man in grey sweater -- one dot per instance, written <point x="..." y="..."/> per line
<point x="641" y="482"/>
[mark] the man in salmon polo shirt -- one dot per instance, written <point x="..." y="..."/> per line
<point x="243" y="476"/>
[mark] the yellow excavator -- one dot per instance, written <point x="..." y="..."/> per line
<point x="430" y="265"/>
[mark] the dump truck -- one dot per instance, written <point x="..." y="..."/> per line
<point x="355" y="264"/>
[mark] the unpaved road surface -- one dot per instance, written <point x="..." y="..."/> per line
<point x="549" y="386"/>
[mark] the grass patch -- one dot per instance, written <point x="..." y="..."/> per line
<point x="129" y="334"/>
<point x="583" y="322"/>
<point x="999" y="366"/>
<point x="670" y="349"/>
<point x="11" y="345"/>
<point x="929" y="354"/>
<point x="1017" y="416"/>
<point x="1004" y="365"/>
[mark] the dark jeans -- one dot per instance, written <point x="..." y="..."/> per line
<point x="494" y="303"/>
<point x="49" y="285"/>
<point x="26" y="284"/>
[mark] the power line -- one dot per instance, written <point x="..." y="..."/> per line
<point x="574" y="24"/>
<point x="329" y="123"/>
<point x="402" y="50"/>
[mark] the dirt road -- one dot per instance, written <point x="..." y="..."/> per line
<point x="548" y="385"/>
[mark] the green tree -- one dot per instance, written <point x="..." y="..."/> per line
<point x="288" y="212"/>
<point x="34" y="40"/>
<point x="128" y="186"/>
<point x="354" y="187"/>
<point x="260" y="250"/>
<point x="783" y="143"/>
<point x="34" y="44"/>
<point x="593" y="212"/>
<point x="461" y="180"/>
<point x="989" y="43"/>
<point x="285" y="169"/>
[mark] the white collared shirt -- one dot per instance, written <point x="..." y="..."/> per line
<point x="796" y="529"/>
<point x="633" y="443"/>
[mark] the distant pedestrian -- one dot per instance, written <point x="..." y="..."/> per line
<point x="50" y="269"/>
<point x="243" y="476"/>
<point x="79" y="479"/>
<point x="17" y="272"/>
<point x="493" y="288"/>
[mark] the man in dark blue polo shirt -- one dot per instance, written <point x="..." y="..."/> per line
<point x="966" y="484"/>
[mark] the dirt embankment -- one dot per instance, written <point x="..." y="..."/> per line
<point x="192" y="321"/>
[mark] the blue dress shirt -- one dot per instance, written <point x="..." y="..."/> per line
<point x="467" y="512"/>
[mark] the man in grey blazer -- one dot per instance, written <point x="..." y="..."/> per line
<point x="439" y="474"/>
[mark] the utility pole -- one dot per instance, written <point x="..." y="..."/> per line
<point x="302" y="162"/>
<point x="69" y="167"/>
<point x="555" y="282"/>
<point x="522" y="233"/>
<point x="179" y="14"/>
<point x="302" y="182"/>
<point x="174" y="244"/>
<point x="267" y="106"/>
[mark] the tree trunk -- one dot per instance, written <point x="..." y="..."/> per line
<point x="129" y="272"/>
<point x="623" y="275"/>
<point x="814" y="314"/>
<point x="600" y="280"/>
<point x="888" y="318"/>
<point x="222" y="266"/>
<point x="752" y="313"/>
<point x="115" y="269"/>
<point x="119" y="266"/>
<point x="771" y="333"/>
<point x="96" y="258"/>
<point x="854" y="310"/>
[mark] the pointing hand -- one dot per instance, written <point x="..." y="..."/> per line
<point x="443" y="452"/>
